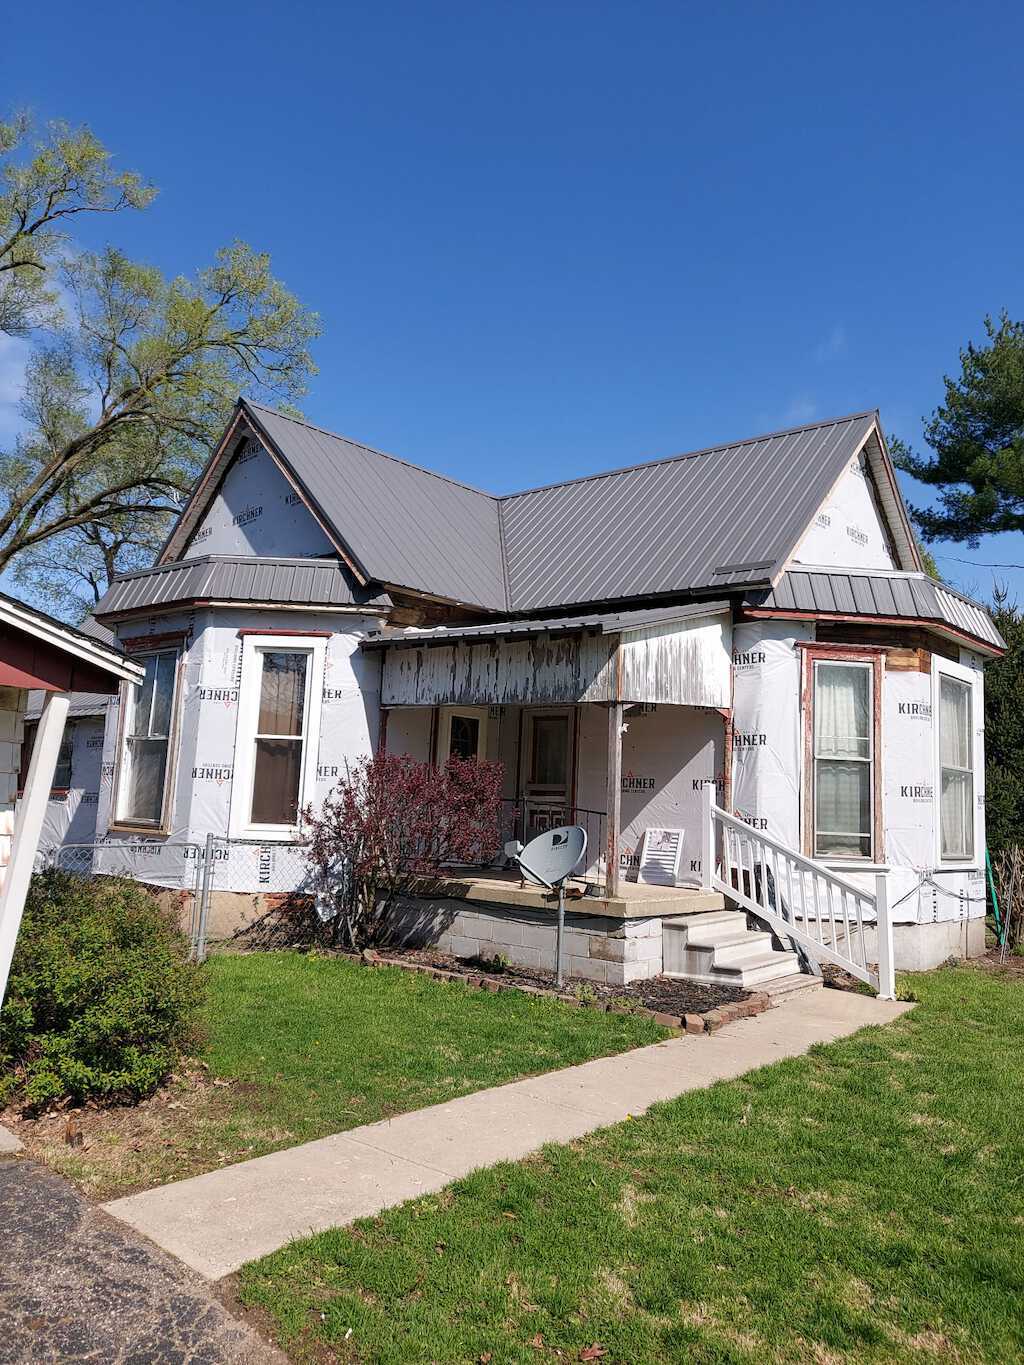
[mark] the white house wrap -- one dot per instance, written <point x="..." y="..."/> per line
<point x="620" y="643"/>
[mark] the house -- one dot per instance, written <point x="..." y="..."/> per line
<point x="743" y="633"/>
<point x="53" y="661"/>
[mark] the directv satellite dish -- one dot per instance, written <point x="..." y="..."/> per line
<point x="548" y="861"/>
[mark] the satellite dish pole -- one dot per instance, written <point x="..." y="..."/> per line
<point x="549" y="861"/>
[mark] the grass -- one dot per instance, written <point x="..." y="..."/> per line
<point x="863" y="1203"/>
<point x="301" y="1046"/>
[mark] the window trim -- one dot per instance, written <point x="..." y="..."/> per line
<point x="871" y="658"/>
<point x="960" y="673"/>
<point x="168" y="644"/>
<point x="254" y="645"/>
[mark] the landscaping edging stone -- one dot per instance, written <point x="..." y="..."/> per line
<point x="710" y="1022"/>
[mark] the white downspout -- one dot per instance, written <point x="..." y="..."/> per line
<point x="28" y="825"/>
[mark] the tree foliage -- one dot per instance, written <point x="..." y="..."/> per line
<point x="392" y="822"/>
<point x="977" y="442"/>
<point x="131" y="376"/>
<point x="1004" y="731"/>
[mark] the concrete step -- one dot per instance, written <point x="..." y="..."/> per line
<point x="735" y="947"/>
<point x="705" y="919"/>
<point x="786" y="987"/>
<point x="763" y="966"/>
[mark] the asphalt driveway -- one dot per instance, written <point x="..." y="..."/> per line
<point x="75" y="1285"/>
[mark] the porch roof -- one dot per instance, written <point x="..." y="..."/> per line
<point x="677" y="655"/>
<point x="596" y="622"/>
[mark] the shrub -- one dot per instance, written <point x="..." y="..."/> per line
<point x="392" y="822"/>
<point x="102" y="996"/>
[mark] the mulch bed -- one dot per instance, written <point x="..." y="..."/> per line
<point x="662" y="995"/>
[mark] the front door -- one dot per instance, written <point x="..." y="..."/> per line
<point x="547" y="748"/>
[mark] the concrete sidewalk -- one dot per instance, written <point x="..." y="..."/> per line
<point x="217" y="1222"/>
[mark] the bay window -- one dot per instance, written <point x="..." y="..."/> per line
<point x="843" y="754"/>
<point x="144" y="765"/>
<point x="278" y="731"/>
<point x="956" y="768"/>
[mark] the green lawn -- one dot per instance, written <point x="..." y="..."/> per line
<point x="300" y="1046"/>
<point x="863" y="1203"/>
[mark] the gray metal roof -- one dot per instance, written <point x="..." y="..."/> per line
<point x="856" y="593"/>
<point x="247" y="580"/>
<point x="403" y="525"/>
<point x="725" y="516"/>
<point x="666" y="526"/>
<point x="601" y="622"/>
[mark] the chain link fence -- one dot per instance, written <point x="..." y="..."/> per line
<point x="226" y="893"/>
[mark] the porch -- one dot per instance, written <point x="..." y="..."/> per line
<point x="613" y="721"/>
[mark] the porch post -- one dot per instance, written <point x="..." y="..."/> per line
<point x="883" y="929"/>
<point x="28" y="825"/>
<point x="614" y="798"/>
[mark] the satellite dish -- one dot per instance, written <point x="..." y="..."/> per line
<point x="554" y="855"/>
<point x="548" y="860"/>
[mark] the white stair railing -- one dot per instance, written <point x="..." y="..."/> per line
<point x="825" y="914"/>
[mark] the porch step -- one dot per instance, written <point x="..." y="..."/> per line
<point x="719" y="949"/>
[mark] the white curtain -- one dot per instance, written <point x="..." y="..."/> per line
<point x="956" y="799"/>
<point x="842" y="744"/>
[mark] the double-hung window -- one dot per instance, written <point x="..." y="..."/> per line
<point x="956" y="768"/>
<point x="145" y="760"/>
<point x="278" y="733"/>
<point x="843" y="759"/>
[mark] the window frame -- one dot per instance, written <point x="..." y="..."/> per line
<point x="57" y="792"/>
<point x="254" y="646"/>
<point x="132" y="823"/>
<point x="962" y="674"/>
<point x="871" y="659"/>
<point x="444" y="737"/>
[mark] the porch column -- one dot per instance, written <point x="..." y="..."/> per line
<point x="614" y="798"/>
<point x="28" y="825"/>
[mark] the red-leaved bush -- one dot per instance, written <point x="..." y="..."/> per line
<point x="392" y="821"/>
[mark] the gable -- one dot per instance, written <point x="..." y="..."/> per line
<point x="849" y="529"/>
<point x="255" y="511"/>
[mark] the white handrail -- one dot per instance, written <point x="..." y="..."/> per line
<point x="800" y="859"/>
<point x="753" y="891"/>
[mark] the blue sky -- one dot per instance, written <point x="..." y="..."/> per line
<point x="551" y="238"/>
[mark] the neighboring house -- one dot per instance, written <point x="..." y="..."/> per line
<point x="752" y="617"/>
<point x="54" y="661"/>
<point x="74" y="798"/>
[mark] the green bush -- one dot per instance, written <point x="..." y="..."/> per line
<point x="102" y="997"/>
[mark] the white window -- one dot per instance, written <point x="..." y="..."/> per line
<point x="956" y="768"/>
<point x="843" y="759"/>
<point x="144" y="766"/>
<point x="278" y="732"/>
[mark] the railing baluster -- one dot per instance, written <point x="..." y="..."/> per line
<point x="815" y="881"/>
<point x="844" y="906"/>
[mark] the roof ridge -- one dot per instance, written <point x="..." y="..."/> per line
<point x="372" y="450"/>
<point x="691" y="454"/>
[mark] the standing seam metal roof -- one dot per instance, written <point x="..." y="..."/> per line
<point x="665" y="526"/>
<point x="845" y="593"/>
<point x="231" y="578"/>
<point x="402" y="524"/>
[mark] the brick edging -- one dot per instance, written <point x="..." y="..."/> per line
<point x="709" y="1022"/>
